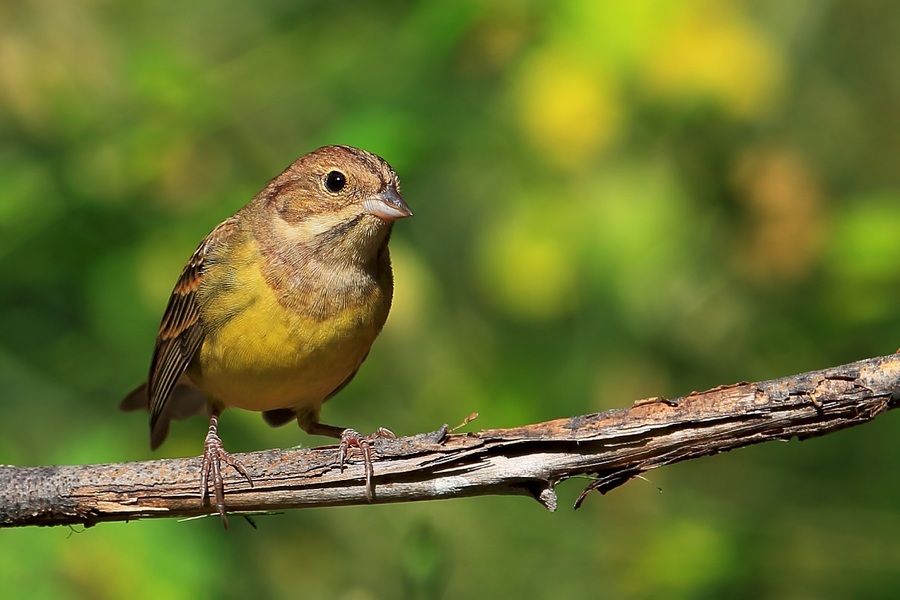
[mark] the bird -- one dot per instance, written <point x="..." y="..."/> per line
<point x="278" y="307"/>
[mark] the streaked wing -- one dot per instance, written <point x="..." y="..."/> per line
<point x="181" y="330"/>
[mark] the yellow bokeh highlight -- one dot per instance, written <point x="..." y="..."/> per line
<point x="528" y="267"/>
<point x="712" y="52"/>
<point x="569" y="108"/>
<point x="413" y="289"/>
<point x="621" y="33"/>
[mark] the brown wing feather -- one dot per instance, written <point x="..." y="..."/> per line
<point x="181" y="329"/>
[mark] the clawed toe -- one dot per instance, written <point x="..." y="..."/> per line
<point x="350" y="438"/>
<point x="214" y="454"/>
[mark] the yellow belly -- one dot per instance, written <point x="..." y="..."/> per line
<point x="259" y="355"/>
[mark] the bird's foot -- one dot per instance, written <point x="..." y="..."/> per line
<point x="214" y="455"/>
<point x="350" y="438"/>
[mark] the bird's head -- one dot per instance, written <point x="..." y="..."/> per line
<point x="337" y="200"/>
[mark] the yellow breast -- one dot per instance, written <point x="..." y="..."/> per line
<point x="258" y="354"/>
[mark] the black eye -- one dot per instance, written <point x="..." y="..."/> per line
<point x="335" y="181"/>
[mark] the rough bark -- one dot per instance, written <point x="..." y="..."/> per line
<point x="613" y="446"/>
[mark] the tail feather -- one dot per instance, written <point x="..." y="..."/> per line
<point x="186" y="401"/>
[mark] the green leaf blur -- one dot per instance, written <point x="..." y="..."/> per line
<point x="613" y="200"/>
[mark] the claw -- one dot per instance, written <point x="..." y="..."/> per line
<point x="350" y="438"/>
<point x="214" y="455"/>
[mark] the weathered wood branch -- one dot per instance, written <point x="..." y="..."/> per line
<point x="613" y="446"/>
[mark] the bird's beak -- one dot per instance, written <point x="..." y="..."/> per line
<point x="387" y="205"/>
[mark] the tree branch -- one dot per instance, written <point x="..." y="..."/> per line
<point x="613" y="446"/>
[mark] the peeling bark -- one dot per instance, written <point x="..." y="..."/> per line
<point x="613" y="446"/>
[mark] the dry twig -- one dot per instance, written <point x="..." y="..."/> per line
<point x="613" y="446"/>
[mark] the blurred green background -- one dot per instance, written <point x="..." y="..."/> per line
<point x="613" y="200"/>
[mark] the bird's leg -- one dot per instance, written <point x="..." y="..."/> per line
<point x="350" y="438"/>
<point x="213" y="455"/>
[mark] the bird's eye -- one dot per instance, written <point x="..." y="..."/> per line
<point x="335" y="181"/>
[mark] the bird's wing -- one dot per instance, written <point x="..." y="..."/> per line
<point x="181" y="330"/>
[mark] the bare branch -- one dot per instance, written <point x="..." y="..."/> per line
<point x="613" y="446"/>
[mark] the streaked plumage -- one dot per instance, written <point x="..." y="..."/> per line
<point x="279" y="305"/>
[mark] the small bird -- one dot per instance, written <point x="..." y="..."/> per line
<point x="278" y="306"/>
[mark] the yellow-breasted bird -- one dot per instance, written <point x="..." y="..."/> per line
<point x="279" y="305"/>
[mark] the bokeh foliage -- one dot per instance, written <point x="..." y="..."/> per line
<point x="613" y="200"/>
